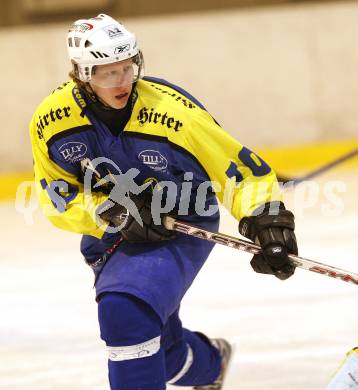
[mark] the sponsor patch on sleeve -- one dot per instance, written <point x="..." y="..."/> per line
<point x="73" y="151"/>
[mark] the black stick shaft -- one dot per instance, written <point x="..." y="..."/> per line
<point x="319" y="171"/>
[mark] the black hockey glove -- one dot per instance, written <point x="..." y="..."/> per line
<point x="275" y="234"/>
<point x="131" y="230"/>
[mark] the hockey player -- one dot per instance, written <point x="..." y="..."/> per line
<point x="123" y="131"/>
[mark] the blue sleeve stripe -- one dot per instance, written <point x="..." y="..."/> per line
<point x="176" y="88"/>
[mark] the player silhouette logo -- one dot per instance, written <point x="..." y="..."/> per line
<point x="123" y="186"/>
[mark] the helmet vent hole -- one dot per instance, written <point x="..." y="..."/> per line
<point x="88" y="43"/>
<point x="77" y="41"/>
<point x="70" y="42"/>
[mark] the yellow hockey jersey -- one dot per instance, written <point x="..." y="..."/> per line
<point x="170" y="137"/>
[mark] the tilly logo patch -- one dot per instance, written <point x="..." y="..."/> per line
<point x="153" y="159"/>
<point x="73" y="151"/>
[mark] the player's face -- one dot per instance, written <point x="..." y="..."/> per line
<point x="112" y="83"/>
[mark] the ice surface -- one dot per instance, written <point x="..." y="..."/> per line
<point x="290" y="335"/>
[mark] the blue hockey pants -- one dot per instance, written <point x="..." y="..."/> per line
<point x="144" y="353"/>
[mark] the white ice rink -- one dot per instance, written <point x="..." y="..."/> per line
<point x="290" y="335"/>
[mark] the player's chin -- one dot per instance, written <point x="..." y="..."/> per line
<point x="120" y="100"/>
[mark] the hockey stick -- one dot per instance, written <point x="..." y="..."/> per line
<point x="237" y="243"/>
<point x="296" y="180"/>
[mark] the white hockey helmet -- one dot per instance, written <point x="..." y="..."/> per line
<point x="99" y="41"/>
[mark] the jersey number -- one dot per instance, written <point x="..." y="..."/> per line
<point x="256" y="164"/>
